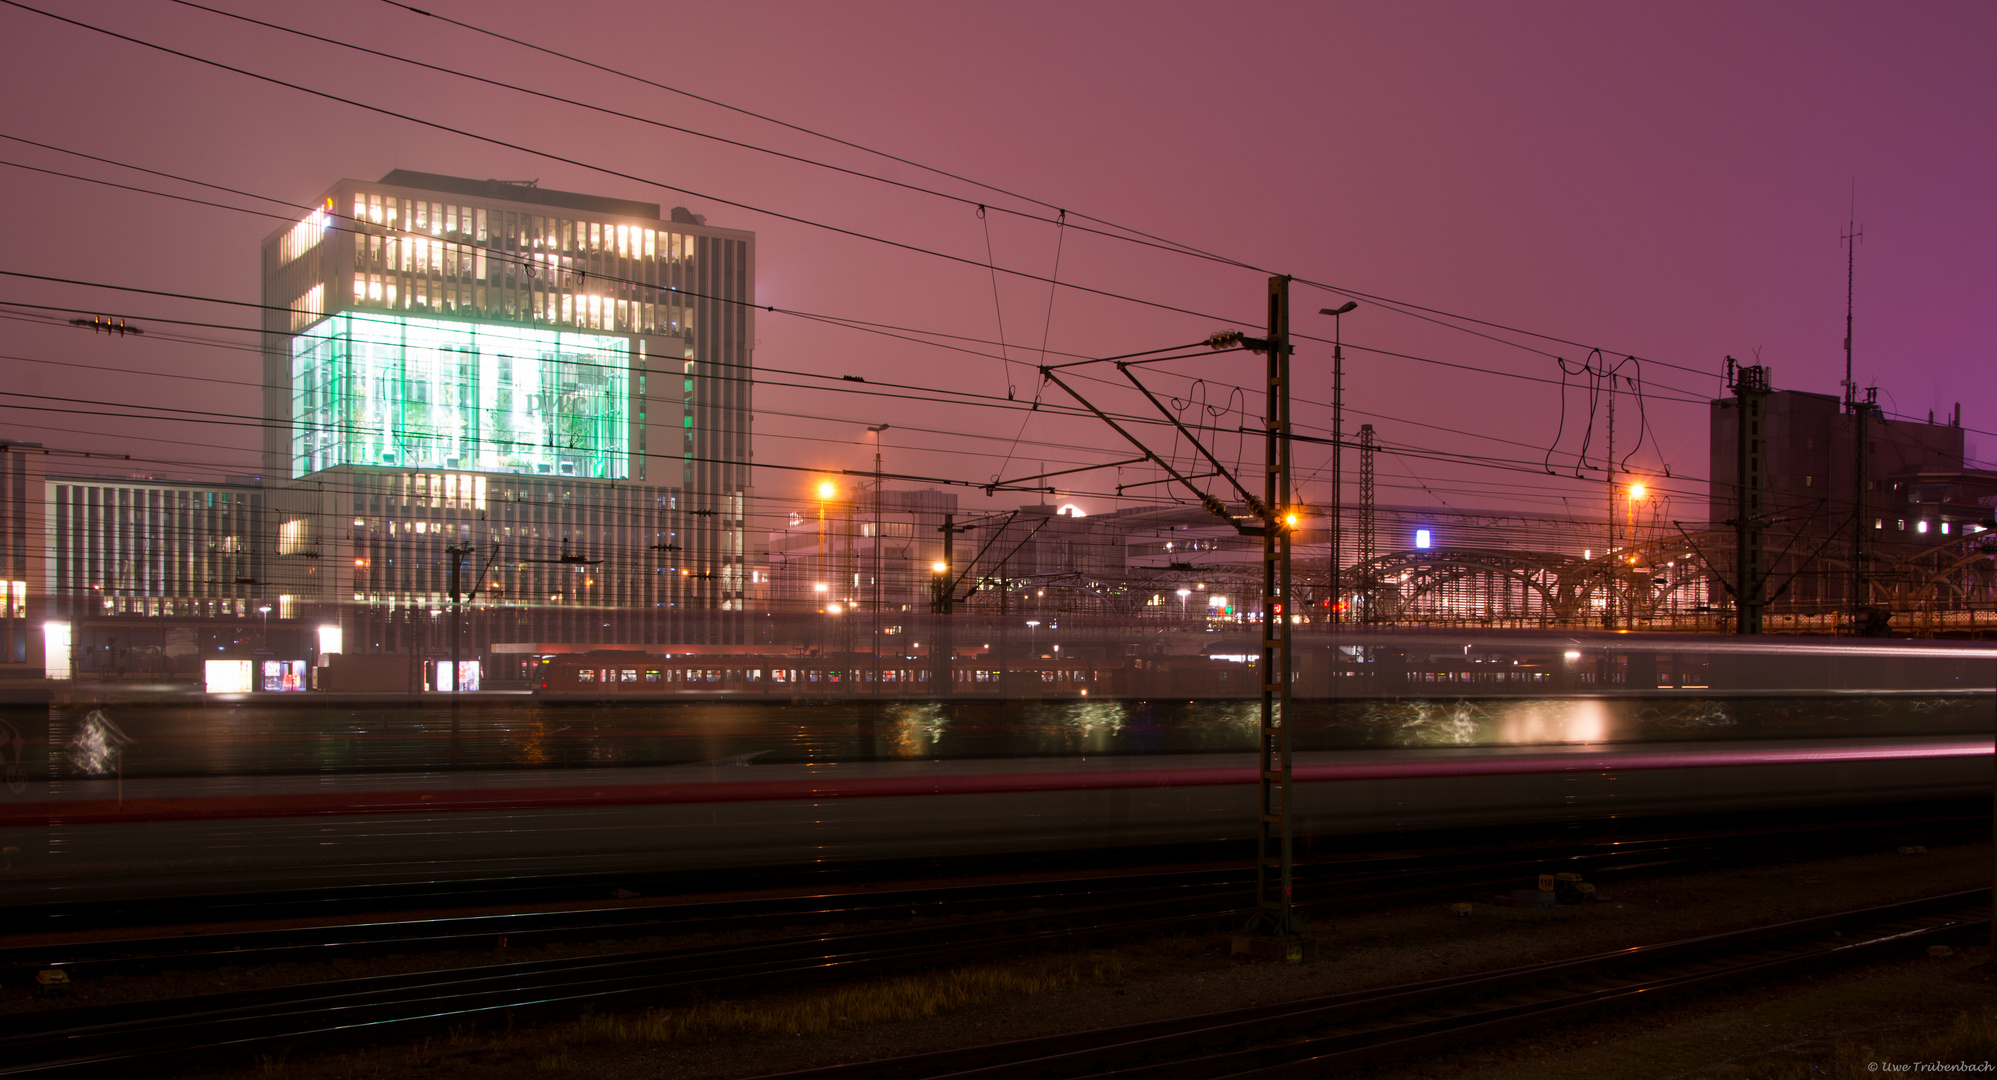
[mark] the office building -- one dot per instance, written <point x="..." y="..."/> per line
<point x="23" y="593"/>
<point x="549" y="389"/>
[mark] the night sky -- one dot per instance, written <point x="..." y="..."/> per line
<point x="1663" y="180"/>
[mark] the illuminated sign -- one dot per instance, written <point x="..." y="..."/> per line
<point x="1422" y="539"/>
<point x="378" y="389"/>
<point x="285" y="676"/>
<point x="56" y="660"/>
<point x="227" y="676"/>
<point x="467" y="672"/>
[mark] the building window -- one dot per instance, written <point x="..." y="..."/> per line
<point x="303" y="236"/>
<point x="292" y="537"/>
<point x="307" y="309"/>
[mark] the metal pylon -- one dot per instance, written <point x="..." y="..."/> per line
<point x="1273" y="911"/>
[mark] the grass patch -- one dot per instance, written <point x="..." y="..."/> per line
<point x="912" y="997"/>
<point x="556" y="1047"/>
<point x="1970" y="1040"/>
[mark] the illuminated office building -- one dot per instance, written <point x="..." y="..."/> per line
<point x="23" y="594"/>
<point x="554" y="384"/>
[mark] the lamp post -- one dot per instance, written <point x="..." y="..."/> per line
<point x="876" y="429"/>
<point x="1337" y="448"/>
<point x="1635" y="493"/>
<point x="942" y="643"/>
<point x="825" y="491"/>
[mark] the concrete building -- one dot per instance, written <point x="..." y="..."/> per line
<point x="148" y="577"/>
<point x="1921" y="500"/>
<point x="23" y="542"/>
<point x="550" y="390"/>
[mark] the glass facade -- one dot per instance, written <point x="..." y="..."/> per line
<point x="389" y="390"/>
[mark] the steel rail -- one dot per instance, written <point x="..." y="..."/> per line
<point x="107" y="1038"/>
<point x="1315" y="1036"/>
<point x="1408" y="875"/>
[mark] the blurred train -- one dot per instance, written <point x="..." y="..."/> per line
<point x="1722" y="726"/>
<point x="1326" y="666"/>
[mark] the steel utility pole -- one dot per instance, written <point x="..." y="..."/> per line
<point x="942" y="636"/>
<point x="877" y="429"/>
<point x="1274" y="914"/>
<point x="457" y="553"/>
<point x="1609" y="556"/>
<point x="1750" y="387"/>
<point x="1368" y="537"/>
<point x="1334" y="574"/>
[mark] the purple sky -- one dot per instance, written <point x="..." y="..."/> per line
<point x="1667" y="180"/>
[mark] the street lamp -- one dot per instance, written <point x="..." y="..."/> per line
<point x="1337" y="444"/>
<point x="1635" y="493"/>
<point x="876" y="430"/>
<point x="1183" y="593"/>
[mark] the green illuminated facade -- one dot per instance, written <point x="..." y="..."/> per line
<point x="553" y="388"/>
<point x="392" y="390"/>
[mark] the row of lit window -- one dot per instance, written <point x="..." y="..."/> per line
<point x="586" y="312"/>
<point x="1922" y="526"/>
<point x="527" y="231"/>
<point x="305" y="235"/>
<point x="178" y="607"/>
<point x="308" y="308"/>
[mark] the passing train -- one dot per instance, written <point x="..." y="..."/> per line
<point x="1325" y="666"/>
<point x="1471" y="731"/>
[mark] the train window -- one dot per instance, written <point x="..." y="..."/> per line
<point x="585" y="675"/>
<point x="651" y="676"/>
<point x="629" y="675"/>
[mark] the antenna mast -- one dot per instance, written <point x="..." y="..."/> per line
<point x="1861" y="441"/>
<point x="1850" y="238"/>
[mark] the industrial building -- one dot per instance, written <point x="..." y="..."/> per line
<point x="1835" y="549"/>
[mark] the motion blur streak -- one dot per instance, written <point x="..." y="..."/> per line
<point x="858" y="781"/>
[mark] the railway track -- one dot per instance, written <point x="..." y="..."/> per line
<point x="1371" y="880"/>
<point x="966" y="925"/>
<point x="1919" y="821"/>
<point x="1318" y="1036"/>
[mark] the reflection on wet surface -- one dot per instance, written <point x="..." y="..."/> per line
<point x="251" y="738"/>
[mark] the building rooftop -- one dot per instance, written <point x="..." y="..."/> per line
<point x="518" y="191"/>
